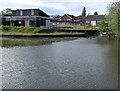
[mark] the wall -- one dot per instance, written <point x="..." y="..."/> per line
<point x="0" y="20"/>
<point x="48" y="24"/>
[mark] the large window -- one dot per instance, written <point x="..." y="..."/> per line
<point x="32" y="23"/>
<point x="43" y="22"/>
<point x="17" y="13"/>
<point x="27" y="13"/>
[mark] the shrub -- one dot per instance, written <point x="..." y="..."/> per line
<point x="21" y="29"/>
<point x="104" y="27"/>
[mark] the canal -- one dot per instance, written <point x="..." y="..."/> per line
<point x="80" y="63"/>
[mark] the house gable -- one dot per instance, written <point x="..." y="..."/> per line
<point x="66" y="16"/>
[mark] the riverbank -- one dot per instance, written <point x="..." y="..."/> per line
<point x="109" y="35"/>
<point x="44" y="35"/>
<point x="28" y="41"/>
<point x="76" y="31"/>
<point x="43" y="32"/>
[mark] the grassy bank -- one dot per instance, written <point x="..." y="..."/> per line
<point x="110" y="33"/>
<point x="61" y="33"/>
<point x="55" y="31"/>
<point x="20" y="30"/>
<point x="76" y="27"/>
<point x="11" y="42"/>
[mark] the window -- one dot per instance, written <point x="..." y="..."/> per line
<point x="98" y="21"/>
<point x="76" y="20"/>
<point x="17" y="13"/>
<point x="43" y="23"/>
<point x="87" y="21"/>
<point x="60" y="20"/>
<point x="107" y="21"/>
<point x="32" y="23"/>
<point x="68" y="19"/>
<point x="21" y="13"/>
<point x="32" y="12"/>
<point x="7" y="19"/>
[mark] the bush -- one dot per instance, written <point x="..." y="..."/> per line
<point x="21" y="29"/>
<point x="104" y="27"/>
<point x="5" y="28"/>
<point x="89" y="27"/>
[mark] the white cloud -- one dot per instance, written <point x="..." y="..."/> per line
<point x="67" y="6"/>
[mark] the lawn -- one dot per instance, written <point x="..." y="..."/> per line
<point x="76" y="27"/>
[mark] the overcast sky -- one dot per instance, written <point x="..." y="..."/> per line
<point x="60" y="7"/>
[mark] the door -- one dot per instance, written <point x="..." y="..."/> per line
<point x="93" y="23"/>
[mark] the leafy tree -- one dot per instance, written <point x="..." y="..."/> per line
<point x="96" y="13"/>
<point x="6" y="12"/>
<point x="114" y="15"/>
<point x="84" y="12"/>
<point x="104" y="27"/>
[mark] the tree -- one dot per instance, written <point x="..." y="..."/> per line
<point x="6" y="12"/>
<point x="114" y="15"/>
<point x="104" y="27"/>
<point x="84" y="12"/>
<point x="96" y="13"/>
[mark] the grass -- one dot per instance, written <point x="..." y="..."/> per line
<point x="11" y="42"/>
<point x="110" y="32"/>
<point x="77" y="27"/>
<point x="20" y="29"/>
<point x="56" y="33"/>
<point x="13" y="30"/>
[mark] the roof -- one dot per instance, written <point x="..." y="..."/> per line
<point x="41" y="12"/>
<point x="80" y="18"/>
<point x="83" y="18"/>
<point x="70" y="16"/>
<point x="26" y="9"/>
<point x="96" y="17"/>
<point x="55" y="16"/>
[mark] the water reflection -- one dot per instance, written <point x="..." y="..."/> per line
<point x="85" y="63"/>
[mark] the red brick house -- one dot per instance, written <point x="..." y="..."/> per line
<point x="95" y="20"/>
<point x="79" y="20"/>
<point x="65" y="19"/>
